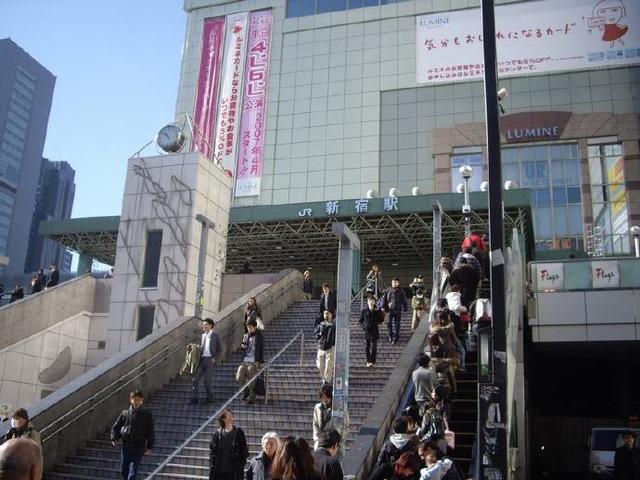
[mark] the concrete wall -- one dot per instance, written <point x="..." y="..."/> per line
<point x="87" y="405"/>
<point x="166" y="193"/>
<point x="24" y="318"/>
<point x="236" y="285"/>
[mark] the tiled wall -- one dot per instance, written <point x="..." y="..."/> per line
<point x="42" y="363"/>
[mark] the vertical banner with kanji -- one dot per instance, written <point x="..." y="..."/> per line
<point x="531" y="37"/>
<point x="231" y="90"/>
<point x="204" y="113"/>
<point x="252" y="126"/>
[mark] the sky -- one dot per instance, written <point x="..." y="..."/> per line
<point x="117" y="64"/>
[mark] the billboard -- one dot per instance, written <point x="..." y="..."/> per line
<point x="532" y="38"/>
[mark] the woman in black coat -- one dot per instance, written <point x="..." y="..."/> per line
<point x="369" y="320"/>
<point x="228" y="451"/>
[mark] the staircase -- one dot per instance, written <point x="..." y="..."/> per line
<point x="293" y="391"/>
<point x="464" y="412"/>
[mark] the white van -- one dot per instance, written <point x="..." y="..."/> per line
<point x="602" y="448"/>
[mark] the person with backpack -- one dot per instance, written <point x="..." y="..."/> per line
<point x="434" y="423"/>
<point x="228" y="451"/>
<point x="370" y="317"/>
<point x="399" y="442"/>
<point x="322" y="414"/>
<point x="326" y="356"/>
<point x="373" y="285"/>
<point x="135" y="429"/>
<point x="419" y="305"/>
<point x="396" y="302"/>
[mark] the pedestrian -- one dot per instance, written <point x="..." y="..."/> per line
<point x="424" y="380"/>
<point x="228" y="450"/>
<point x="370" y="318"/>
<point x="322" y="414"/>
<point x="445" y="329"/>
<point x="465" y="276"/>
<point x="396" y="302"/>
<point x="446" y="266"/>
<point x="294" y="461"/>
<point x="326" y="336"/>
<point x="54" y="276"/>
<point x="21" y="427"/>
<point x="109" y="273"/>
<point x="420" y="306"/>
<point x="260" y="465"/>
<point x="626" y="461"/>
<point x="134" y="428"/>
<point x="399" y="442"/>
<point x="436" y="467"/>
<point x="328" y="301"/>
<point x="325" y="457"/>
<point x="20" y="459"/>
<point x="417" y="284"/>
<point x="434" y="419"/>
<point x="36" y="282"/>
<point x="405" y="467"/>
<point x="374" y="285"/>
<point x="17" y="293"/>
<point x="253" y="346"/>
<point x="307" y="285"/>
<point x="209" y="350"/>
<point x="252" y="310"/>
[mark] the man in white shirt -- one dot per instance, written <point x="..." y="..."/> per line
<point x="209" y="349"/>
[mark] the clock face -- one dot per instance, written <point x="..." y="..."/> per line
<point x="170" y="138"/>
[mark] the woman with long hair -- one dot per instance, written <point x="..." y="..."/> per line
<point x="293" y="461"/>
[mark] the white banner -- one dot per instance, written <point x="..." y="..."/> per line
<point x="225" y="140"/>
<point x="605" y="274"/>
<point x="549" y="276"/>
<point x="532" y="38"/>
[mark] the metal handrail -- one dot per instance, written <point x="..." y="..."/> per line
<point x="91" y="399"/>
<point x="217" y="413"/>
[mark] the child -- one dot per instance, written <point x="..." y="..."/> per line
<point x="420" y="305"/>
<point x="326" y="335"/>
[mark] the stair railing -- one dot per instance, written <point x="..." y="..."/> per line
<point x="216" y="414"/>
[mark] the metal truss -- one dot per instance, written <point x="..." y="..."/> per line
<point x="99" y="245"/>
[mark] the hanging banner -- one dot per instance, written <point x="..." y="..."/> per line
<point x="252" y="126"/>
<point x="605" y="274"/>
<point x="532" y="38"/>
<point x="231" y="90"/>
<point x="549" y="276"/>
<point x="204" y="113"/>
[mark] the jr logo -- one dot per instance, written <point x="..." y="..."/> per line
<point x="549" y="277"/>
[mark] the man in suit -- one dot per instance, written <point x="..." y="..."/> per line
<point x="209" y="349"/>
<point x="54" y="276"/>
<point x="328" y="301"/>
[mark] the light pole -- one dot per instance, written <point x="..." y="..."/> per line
<point x="635" y="231"/>
<point x="466" y="171"/>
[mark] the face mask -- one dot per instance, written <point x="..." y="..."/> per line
<point x="15" y="423"/>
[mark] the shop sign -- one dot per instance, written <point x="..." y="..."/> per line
<point x="605" y="274"/>
<point x="549" y="276"/>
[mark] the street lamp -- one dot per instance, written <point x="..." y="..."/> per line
<point x="635" y="231"/>
<point x="466" y="171"/>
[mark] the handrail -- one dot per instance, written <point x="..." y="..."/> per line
<point x="217" y="413"/>
<point x="113" y="392"/>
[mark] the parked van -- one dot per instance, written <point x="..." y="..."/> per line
<point x="602" y="448"/>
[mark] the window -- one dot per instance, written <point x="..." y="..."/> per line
<point x="145" y="320"/>
<point x="152" y="259"/>
<point x="474" y="160"/>
<point x="609" y="196"/>
<point x="301" y="8"/>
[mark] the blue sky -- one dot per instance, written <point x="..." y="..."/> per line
<point x="117" y="64"/>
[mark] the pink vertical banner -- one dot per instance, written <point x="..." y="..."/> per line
<point x="252" y="125"/>
<point x="204" y="114"/>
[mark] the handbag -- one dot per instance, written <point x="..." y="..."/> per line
<point x="450" y="439"/>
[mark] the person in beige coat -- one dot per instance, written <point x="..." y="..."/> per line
<point x="22" y="428"/>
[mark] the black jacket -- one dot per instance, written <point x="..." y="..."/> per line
<point x="54" y="279"/>
<point x="259" y="344"/>
<point x="384" y="472"/>
<point x="390" y="452"/>
<point x="626" y="463"/>
<point x="396" y="300"/>
<point x="256" y="470"/>
<point x="307" y="286"/>
<point x="332" y="303"/>
<point x="369" y="322"/>
<point x="135" y="428"/>
<point x="326" y="335"/>
<point x="327" y="466"/>
<point x="239" y="456"/>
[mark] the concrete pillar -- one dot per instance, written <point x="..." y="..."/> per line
<point x="167" y="194"/>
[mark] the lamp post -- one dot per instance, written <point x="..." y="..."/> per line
<point x="635" y="231"/>
<point x="466" y="171"/>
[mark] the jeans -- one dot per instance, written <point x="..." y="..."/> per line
<point x="394" y="324"/>
<point x="131" y="458"/>
<point x="245" y="371"/>
<point x="463" y="353"/>
<point x="371" y="349"/>
<point x="325" y="361"/>
<point x="205" y="369"/>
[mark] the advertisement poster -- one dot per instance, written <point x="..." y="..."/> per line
<point x="532" y="38"/>
<point x="204" y="113"/>
<point x="549" y="276"/>
<point x="252" y="127"/>
<point x="605" y="274"/>
<point x="231" y="90"/>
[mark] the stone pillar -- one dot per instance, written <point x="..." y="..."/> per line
<point x="166" y="193"/>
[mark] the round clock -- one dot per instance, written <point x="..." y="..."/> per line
<point x="170" y="138"/>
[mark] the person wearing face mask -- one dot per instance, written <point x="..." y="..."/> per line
<point x="22" y="428"/>
<point x="260" y="466"/>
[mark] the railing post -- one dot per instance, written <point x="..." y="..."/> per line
<point x="302" y="349"/>
<point x="266" y="384"/>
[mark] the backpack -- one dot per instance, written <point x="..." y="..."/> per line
<point x="436" y="427"/>
<point x="419" y="303"/>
